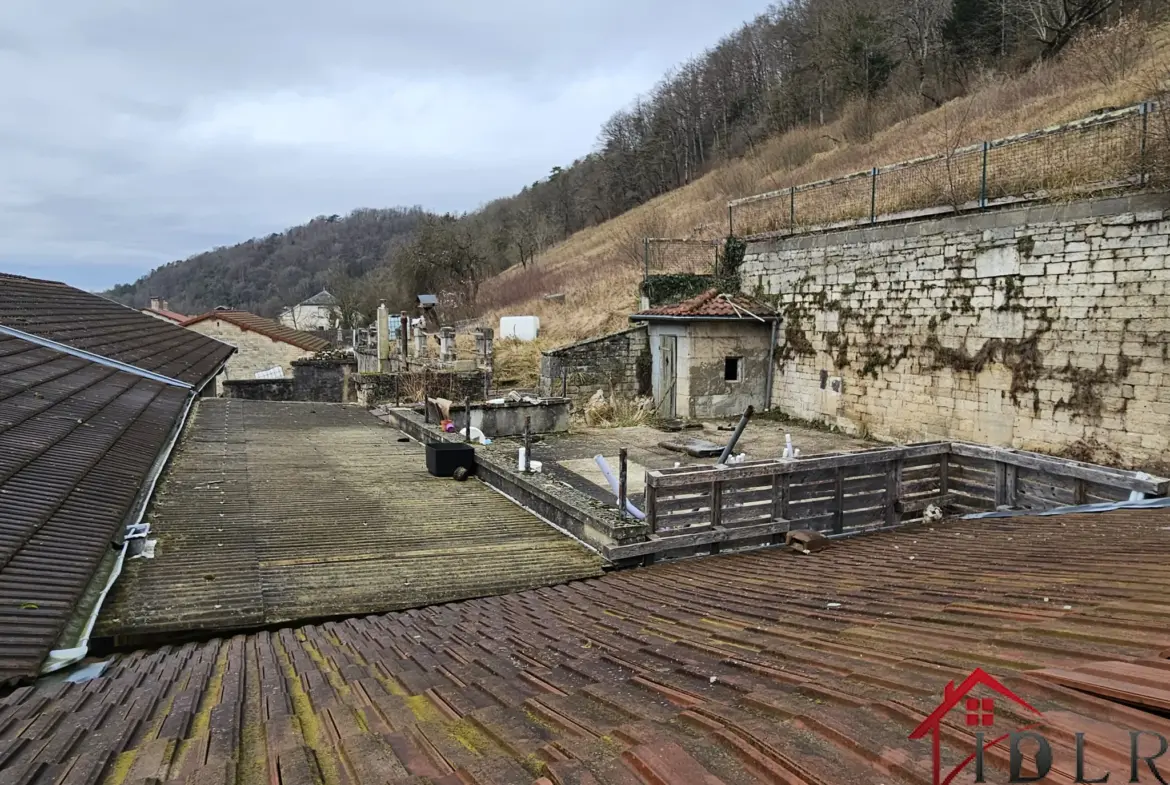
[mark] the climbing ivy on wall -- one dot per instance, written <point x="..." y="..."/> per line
<point x="673" y="288"/>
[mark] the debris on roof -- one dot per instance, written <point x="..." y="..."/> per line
<point x="711" y="304"/>
<point x="258" y="324"/>
<point x="89" y="322"/>
<point x="77" y="441"/>
<point x="731" y="669"/>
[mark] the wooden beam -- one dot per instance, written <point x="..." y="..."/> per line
<point x="659" y="544"/>
<point x="943" y="500"/>
<point x="716" y="502"/>
<point x="893" y="493"/>
<point x="839" y="498"/>
<point x="1103" y="475"/>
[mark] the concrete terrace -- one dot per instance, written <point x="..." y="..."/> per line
<point x="277" y="512"/>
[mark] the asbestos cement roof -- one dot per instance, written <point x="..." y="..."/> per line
<point x="322" y="297"/>
<point x="711" y="304"/>
<point x="77" y="441"/>
<point x="267" y="327"/>
<point x="275" y="512"/>
<point x="89" y="322"/>
<point x="759" y="667"/>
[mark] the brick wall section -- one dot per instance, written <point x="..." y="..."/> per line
<point x="1036" y="328"/>
<point x="618" y="363"/>
<point x="254" y="352"/>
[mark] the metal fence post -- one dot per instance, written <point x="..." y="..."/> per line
<point x="792" y="208"/>
<point x="873" y="195"/>
<point x="1142" y="143"/>
<point x="645" y="258"/>
<point x="527" y="445"/>
<point x="983" y="179"/>
<point x="730" y="222"/>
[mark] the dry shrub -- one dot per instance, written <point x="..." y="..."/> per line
<point x="648" y="221"/>
<point x="615" y="412"/>
<point x="515" y="364"/>
<point x="1110" y="54"/>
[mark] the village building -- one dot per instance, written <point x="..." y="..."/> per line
<point x="319" y="312"/>
<point x="263" y="346"/>
<point x="161" y="309"/>
<point x="710" y="355"/>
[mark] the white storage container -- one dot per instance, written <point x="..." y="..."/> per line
<point x="524" y="328"/>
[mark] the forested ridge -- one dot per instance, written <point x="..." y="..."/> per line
<point x="804" y="63"/>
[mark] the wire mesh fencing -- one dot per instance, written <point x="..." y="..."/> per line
<point x="1105" y="152"/>
<point x="667" y="256"/>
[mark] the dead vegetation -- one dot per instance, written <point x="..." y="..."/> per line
<point x="593" y="267"/>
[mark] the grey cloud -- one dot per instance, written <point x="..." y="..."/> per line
<point x="134" y="132"/>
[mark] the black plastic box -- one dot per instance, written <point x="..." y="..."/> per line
<point x="443" y="458"/>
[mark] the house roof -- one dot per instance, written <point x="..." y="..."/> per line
<point x="320" y="298"/>
<point x="77" y="440"/>
<point x="89" y="322"/>
<point x="711" y="304"/>
<point x="757" y="667"/>
<point x="313" y="534"/>
<point x="174" y="316"/>
<point x="268" y="327"/>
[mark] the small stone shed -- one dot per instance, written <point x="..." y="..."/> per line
<point x="711" y="355"/>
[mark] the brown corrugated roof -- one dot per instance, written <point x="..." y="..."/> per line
<point x="258" y="324"/>
<point x="712" y="304"/>
<point x="87" y="321"/>
<point x="77" y="439"/>
<point x="761" y="667"/>
<point x="273" y="512"/>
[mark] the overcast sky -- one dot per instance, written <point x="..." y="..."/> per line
<point x="136" y="132"/>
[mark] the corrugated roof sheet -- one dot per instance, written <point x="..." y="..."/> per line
<point x="77" y="440"/>
<point x="760" y="667"/>
<point x="273" y="512"/>
<point x="258" y="324"/>
<point x="712" y="304"/>
<point x="87" y="321"/>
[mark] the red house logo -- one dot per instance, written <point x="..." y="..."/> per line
<point x="980" y="713"/>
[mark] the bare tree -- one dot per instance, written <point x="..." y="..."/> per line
<point x="1055" y="23"/>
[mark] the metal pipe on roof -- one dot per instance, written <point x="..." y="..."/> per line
<point x="97" y="359"/>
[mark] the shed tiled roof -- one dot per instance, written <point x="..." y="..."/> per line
<point x="82" y="320"/>
<point x="273" y="329"/>
<point x="166" y="313"/>
<point x="761" y="667"/>
<point x="711" y="304"/>
<point x="77" y="440"/>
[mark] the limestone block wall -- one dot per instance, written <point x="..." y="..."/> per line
<point x="1042" y="328"/>
<point x="618" y="363"/>
<point x="254" y="352"/>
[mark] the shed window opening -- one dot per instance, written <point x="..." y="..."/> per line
<point x="732" y="366"/>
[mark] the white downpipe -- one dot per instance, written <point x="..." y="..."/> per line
<point x="613" y="485"/>
<point x="63" y="658"/>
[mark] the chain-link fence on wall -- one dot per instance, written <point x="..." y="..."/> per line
<point x="665" y="256"/>
<point x="1105" y="152"/>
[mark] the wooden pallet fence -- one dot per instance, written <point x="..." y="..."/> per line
<point x="846" y="493"/>
<point x="839" y="493"/>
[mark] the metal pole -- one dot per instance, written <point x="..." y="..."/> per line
<point x="467" y="413"/>
<point x="792" y="208"/>
<point x="622" y="483"/>
<point x="873" y="195"/>
<point x="743" y="421"/>
<point x="645" y="258"/>
<point x="527" y="443"/>
<point x="730" y="223"/>
<point x="1145" y="126"/>
<point x="983" y="180"/>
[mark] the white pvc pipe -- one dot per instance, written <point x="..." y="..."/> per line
<point x="613" y="486"/>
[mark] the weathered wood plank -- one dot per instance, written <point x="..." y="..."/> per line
<point x="920" y="503"/>
<point x="1063" y="466"/>
<point x="658" y="544"/>
<point x="716" y="502"/>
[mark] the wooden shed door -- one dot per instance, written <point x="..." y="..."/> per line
<point x="667" y="369"/>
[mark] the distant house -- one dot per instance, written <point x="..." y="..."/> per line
<point x="262" y="345"/>
<point x="319" y="312"/>
<point x="161" y="309"/>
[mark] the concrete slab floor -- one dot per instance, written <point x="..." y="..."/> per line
<point x="569" y="456"/>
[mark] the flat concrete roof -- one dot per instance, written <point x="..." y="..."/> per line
<point x="278" y="512"/>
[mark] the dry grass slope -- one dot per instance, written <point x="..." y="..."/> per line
<point x="596" y="267"/>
